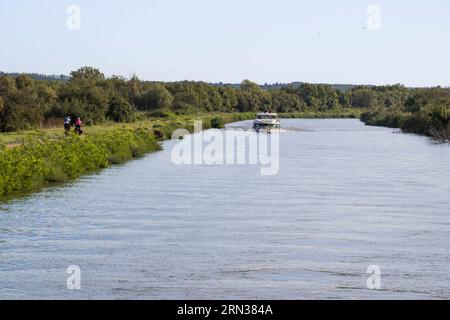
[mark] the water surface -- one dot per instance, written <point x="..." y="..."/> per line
<point x="347" y="196"/>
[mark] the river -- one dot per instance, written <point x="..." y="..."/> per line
<point x="347" y="196"/>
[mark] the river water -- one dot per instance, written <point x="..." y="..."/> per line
<point x="347" y="196"/>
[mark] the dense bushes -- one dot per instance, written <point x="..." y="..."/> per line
<point x="393" y="119"/>
<point x="23" y="102"/>
<point x="424" y="111"/>
<point x="217" y="122"/>
<point x="119" y="110"/>
<point x="432" y="120"/>
<point x="32" y="166"/>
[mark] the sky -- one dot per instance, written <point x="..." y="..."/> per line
<point x="267" y="41"/>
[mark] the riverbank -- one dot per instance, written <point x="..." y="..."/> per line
<point x="32" y="166"/>
<point x="433" y="123"/>
<point x="161" y="126"/>
<point x="32" y="160"/>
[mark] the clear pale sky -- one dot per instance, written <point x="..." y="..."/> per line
<point x="230" y="40"/>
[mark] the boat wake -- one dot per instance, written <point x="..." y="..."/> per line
<point x="249" y="128"/>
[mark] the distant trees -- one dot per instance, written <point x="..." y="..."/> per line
<point x="82" y="98"/>
<point x="117" y="86"/>
<point x="85" y="95"/>
<point x="87" y="74"/>
<point x="421" y="111"/>
<point x="364" y="98"/>
<point x="156" y="97"/>
<point x="252" y="98"/>
<point x="283" y="101"/>
<point x="392" y="96"/>
<point x="420" y="98"/>
<point x="382" y="96"/>
<point x="229" y="98"/>
<point x="187" y="98"/>
<point x="23" y="103"/>
<point x="26" y="102"/>
<point x="319" y="97"/>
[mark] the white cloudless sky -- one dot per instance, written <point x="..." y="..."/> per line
<point x="321" y="41"/>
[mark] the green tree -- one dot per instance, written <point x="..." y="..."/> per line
<point x="423" y="97"/>
<point x="118" y="86"/>
<point x="283" y="101"/>
<point x="89" y="102"/>
<point x="248" y="86"/>
<point x="25" y="103"/>
<point x="253" y="98"/>
<point x="157" y="97"/>
<point x="364" y="98"/>
<point x="87" y="74"/>
<point x="85" y="95"/>
<point x="229" y="98"/>
<point x="119" y="110"/>
<point x="319" y="97"/>
<point x="187" y="97"/>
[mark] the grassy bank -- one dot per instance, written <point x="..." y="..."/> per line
<point x="162" y="126"/>
<point x="32" y="166"/>
<point x="32" y="160"/>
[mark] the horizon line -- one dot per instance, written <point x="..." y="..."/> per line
<point x="229" y="83"/>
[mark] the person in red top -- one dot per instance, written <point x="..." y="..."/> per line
<point x="78" y="126"/>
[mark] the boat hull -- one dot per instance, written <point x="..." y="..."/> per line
<point x="266" y="127"/>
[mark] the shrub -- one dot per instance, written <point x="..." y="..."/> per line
<point x="416" y="124"/>
<point x="394" y="119"/>
<point x="217" y="123"/>
<point x="119" y="110"/>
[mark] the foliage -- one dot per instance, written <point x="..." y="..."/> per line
<point x="87" y="74"/>
<point x="119" y="110"/>
<point x="217" y="122"/>
<point x="27" y="103"/>
<point x="426" y="113"/>
<point x="156" y="97"/>
<point x="32" y="166"/>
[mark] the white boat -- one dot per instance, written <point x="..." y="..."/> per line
<point x="266" y="121"/>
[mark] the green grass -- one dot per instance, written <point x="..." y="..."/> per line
<point x="166" y="125"/>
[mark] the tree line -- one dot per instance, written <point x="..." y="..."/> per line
<point x="27" y="103"/>
<point x="423" y="111"/>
